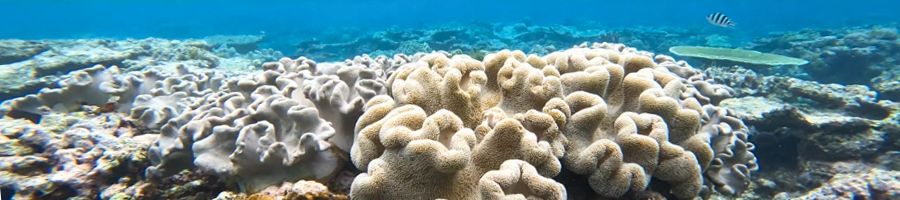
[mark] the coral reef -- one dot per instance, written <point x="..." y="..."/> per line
<point x="301" y="190"/>
<point x="443" y="112"/>
<point x="496" y="128"/>
<point x="289" y="122"/>
<point x="241" y="43"/>
<point x="153" y="97"/>
<point x="18" y="50"/>
<point x="808" y="128"/>
<point x="888" y="84"/>
<point x="602" y="110"/>
<point x="474" y="39"/>
<point x="38" y="64"/>
<point x="872" y="184"/>
<point x="419" y="125"/>
<point x="272" y="123"/>
<point x="66" y="156"/>
<point x="846" y="56"/>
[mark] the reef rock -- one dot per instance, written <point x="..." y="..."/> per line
<point x="241" y="43"/>
<point x="81" y="161"/>
<point x="300" y="190"/>
<point x="839" y="121"/>
<point x="18" y="50"/>
<point x="888" y="84"/>
<point x="807" y="131"/>
<point x="849" y="56"/>
<point x="871" y="184"/>
<point x="41" y="63"/>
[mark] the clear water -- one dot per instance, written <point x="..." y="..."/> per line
<point x="25" y="19"/>
<point x="286" y="24"/>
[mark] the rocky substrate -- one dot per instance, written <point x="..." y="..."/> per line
<point x="856" y="55"/>
<point x="27" y="66"/>
<point x="817" y="141"/>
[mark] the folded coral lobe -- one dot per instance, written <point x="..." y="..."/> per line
<point x="621" y="117"/>
<point x="438" y="126"/>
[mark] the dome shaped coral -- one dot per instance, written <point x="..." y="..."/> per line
<point x="607" y="112"/>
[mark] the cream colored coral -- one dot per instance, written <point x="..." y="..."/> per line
<point x="446" y="157"/>
<point x="517" y="179"/>
<point x="609" y="112"/>
<point x="415" y="145"/>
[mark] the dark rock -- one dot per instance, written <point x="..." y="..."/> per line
<point x="831" y="146"/>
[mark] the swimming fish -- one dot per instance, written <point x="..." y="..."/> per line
<point x="720" y="19"/>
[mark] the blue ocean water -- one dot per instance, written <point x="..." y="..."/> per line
<point x="836" y="114"/>
<point x="283" y="19"/>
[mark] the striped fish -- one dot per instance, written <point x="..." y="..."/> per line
<point x="720" y="19"/>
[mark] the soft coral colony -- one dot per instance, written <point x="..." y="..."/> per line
<point x="435" y="125"/>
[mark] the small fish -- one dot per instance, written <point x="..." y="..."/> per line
<point x="720" y="19"/>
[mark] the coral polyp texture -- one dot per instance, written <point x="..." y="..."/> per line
<point x="432" y="125"/>
<point x="256" y="130"/>
<point x="609" y="112"/>
<point x="290" y="122"/>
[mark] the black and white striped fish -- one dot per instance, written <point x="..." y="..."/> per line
<point x="720" y="19"/>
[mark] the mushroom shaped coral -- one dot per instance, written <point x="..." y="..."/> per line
<point x="338" y="90"/>
<point x="625" y="156"/>
<point x="729" y="170"/>
<point x="285" y="141"/>
<point x="517" y="179"/>
<point x="423" y="157"/>
<point x="408" y="153"/>
<point x="81" y="87"/>
<point x="258" y="140"/>
<point x="341" y="98"/>
<point x="509" y="139"/>
<point x="609" y="112"/>
<point x="458" y="81"/>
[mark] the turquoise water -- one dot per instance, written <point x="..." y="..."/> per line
<point x="308" y="18"/>
<point x="182" y="117"/>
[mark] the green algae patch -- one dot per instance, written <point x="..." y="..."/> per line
<point x="736" y="55"/>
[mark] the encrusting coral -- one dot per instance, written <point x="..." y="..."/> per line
<point x="607" y="111"/>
